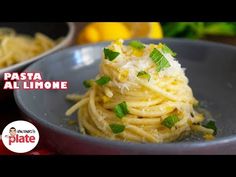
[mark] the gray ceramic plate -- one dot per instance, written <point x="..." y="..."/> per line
<point x="210" y="69"/>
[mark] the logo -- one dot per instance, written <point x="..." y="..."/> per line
<point x="20" y="136"/>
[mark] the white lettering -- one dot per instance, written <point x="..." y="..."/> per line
<point x="7" y="85"/>
<point x="47" y="85"/>
<point x="7" y="76"/>
<point x="64" y="85"/>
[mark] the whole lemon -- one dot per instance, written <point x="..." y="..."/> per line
<point x="103" y="31"/>
<point x="145" y="29"/>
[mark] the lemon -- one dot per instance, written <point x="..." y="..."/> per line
<point x="107" y="31"/>
<point x="103" y="31"/>
<point x="145" y="29"/>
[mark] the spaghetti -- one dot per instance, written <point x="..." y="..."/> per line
<point x="16" y="48"/>
<point x="141" y="94"/>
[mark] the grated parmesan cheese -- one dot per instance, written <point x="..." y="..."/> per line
<point x="126" y="61"/>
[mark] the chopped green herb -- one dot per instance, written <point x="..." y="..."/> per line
<point x="166" y="49"/>
<point x="87" y="83"/>
<point x="137" y="45"/>
<point x="103" y="80"/>
<point x="109" y="54"/>
<point x="117" y="128"/>
<point x="211" y="124"/>
<point x="170" y="121"/>
<point x="121" y="110"/>
<point x="144" y="74"/>
<point x="159" y="59"/>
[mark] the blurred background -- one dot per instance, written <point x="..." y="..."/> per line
<point x="224" y="32"/>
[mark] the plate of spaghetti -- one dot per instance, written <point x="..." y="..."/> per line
<point x="24" y="43"/>
<point x="137" y="97"/>
<point x="20" y="44"/>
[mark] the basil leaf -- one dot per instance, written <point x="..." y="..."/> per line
<point x="137" y="45"/>
<point x="170" y="121"/>
<point x="103" y="80"/>
<point x="121" y="110"/>
<point x="159" y="59"/>
<point x="117" y="128"/>
<point x="109" y="54"/>
<point x="211" y="124"/>
<point x="166" y="49"/>
<point x="144" y="74"/>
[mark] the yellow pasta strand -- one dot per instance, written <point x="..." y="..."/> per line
<point x="15" y="48"/>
